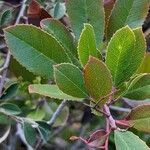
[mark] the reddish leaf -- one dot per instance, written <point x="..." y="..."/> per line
<point x="96" y="140"/>
<point x="36" y="13"/>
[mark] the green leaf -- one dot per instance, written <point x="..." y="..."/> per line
<point x="63" y="36"/>
<point x="58" y="10"/>
<point x="139" y="88"/>
<point x="51" y="91"/>
<point x="10" y="109"/>
<point x="70" y="80"/>
<point x="121" y="50"/>
<point x="126" y="140"/>
<point x="29" y="133"/>
<point x="6" y="17"/>
<point x="35" y="49"/>
<point x="97" y="79"/>
<point x="87" y="11"/>
<point x="37" y="114"/>
<point x="44" y="130"/>
<point x="10" y="91"/>
<point x="145" y="66"/>
<point x="139" y="118"/>
<point x="127" y="12"/>
<point x="20" y="71"/>
<point x="87" y="44"/>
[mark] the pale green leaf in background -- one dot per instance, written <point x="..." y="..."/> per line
<point x="51" y="91"/>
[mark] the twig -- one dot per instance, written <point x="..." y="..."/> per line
<point x="57" y="112"/>
<point x="120" y="109"/>
<point x="110" y="118"/>
<point x="107" y="130"/>
<point x="21" y="12"/>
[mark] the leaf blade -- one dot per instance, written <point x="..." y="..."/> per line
<point x="87" y="44"/>
<point x="34" y="49"/>
<point x="51" y="91"/>
<point x="127" y="141"/>
<point x="97" y="79"/>
<point x="87" y="11"/>
<point x="70" y="80"/>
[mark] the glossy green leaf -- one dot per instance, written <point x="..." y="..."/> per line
<point x="139" y="88"/>
<point x="70" y="80"/>
<point x="87" y="11"/>
<point x="97" y="79"/>
<point x="51" y="91"/>
<point x="145" y="66"/>
<point x="29" y="133"/>
<point x="127" y="12"/>
<point x="139" y="118"/>
<point x="10" y="109"/>
<point x="63" y="36"/>
<point x="121" y="58"/>
<point x="35" y="49"/>
<point x="87" y="44"/>
<point x="126" y="140"/>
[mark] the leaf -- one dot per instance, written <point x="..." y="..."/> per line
<point x="128" y="141"/>
<point x="145" y="66"/>
<point x="87" y="11"/>
<point x="6" y="17"/>
<point x="20" y="71"/>
<point x="121" y="50"/>
<point x="63" y="36"/>
<point x="139" y="118"/>
<point x="37" y="114"/>
<point x="5" y="135"/>
<point x="50" y="91"/>
<point x="97" y="79"/>
<point x="36" y="13"/>
<point x="96" y="139"/>
<point x="108" y="6"/>
<point x="10" y="109"/>
<point x="10" y="91"/>
<point x="44" y="130"/>
<point x="70" y="80"/>
<point x="127" y="12"/>
<point x="29" y="133"/>
<point x="58" y="10"/>
<point x="35" y="49"/>
<point x="139" y="88"/>
<point x="87" y="44"/>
